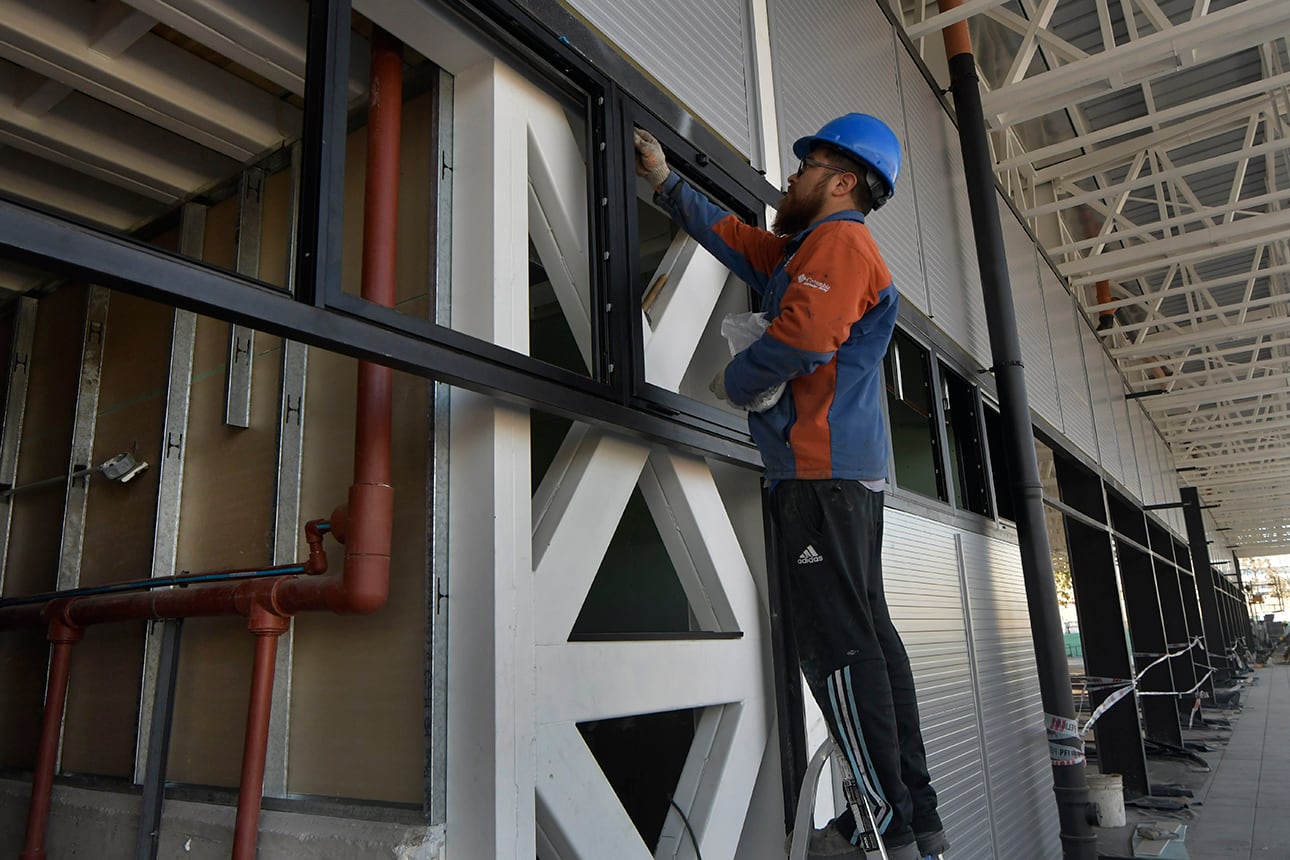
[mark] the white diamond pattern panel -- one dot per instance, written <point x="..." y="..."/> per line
<point x="1024" y="812"/>
<point x="1068" y="356"/>
<point x="811" y="87"/>
<point x="699" y="51"/>
<point x="923" y="590"/>
<point x="524" y="781"/>
<point x="1032" y="320"/>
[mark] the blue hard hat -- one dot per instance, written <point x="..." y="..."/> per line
<point x="864" y="137"/>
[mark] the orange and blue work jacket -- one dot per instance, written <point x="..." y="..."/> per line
<point x="832" y="307"/>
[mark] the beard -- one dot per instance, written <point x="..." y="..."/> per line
<point x="798" y="209"/>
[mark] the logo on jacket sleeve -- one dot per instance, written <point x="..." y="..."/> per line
<point x="813" y="284"/>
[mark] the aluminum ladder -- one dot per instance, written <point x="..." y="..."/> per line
<point x="803" y="825"/>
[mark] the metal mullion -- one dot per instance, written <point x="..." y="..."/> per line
<point x="435" y="796"/>
<point x="287" y="525"/>
<point x="82" y="452"/>
<point x="322" y="180"/>
<point x="170" y="478"/>
<point x="241" y="343"/>
<point x="620" y="226"/>
<point x="148" y="836"/>
<point x="24" y="333"/>
<point x="388" y="337"/>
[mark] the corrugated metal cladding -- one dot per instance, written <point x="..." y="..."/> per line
<point x="1064" y="326"/>
<point x="1032" y="321"/>
<point x="1024" y="811"/>
<point x="1124" y="429"/>
<point x="699" y="51"/>
<point x="832" y="57"/>
<point x="1108" y="446"/>
<point x="1141" y="434"/>
<point x="949" y="248"/>
<point x="923" y="590"/>
<point x="1148" y="459"/>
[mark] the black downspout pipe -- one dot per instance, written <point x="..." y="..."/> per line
<point x="1069" y="784"/>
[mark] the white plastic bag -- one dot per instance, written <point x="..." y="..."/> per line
<point x="742" y="331"/>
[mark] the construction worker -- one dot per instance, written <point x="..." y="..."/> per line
<point x="832" y="307"/>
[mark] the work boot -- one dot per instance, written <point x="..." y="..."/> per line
<point x="932" y="844"/>
<point x="830" y="844"/>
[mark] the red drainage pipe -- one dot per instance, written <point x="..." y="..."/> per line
<point x="267" y="628"/>
<point x="364" y="526"/>
<point x="61" y="636"/>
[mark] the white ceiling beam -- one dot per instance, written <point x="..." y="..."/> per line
<point x="1248" y="99"/>
<point x="1219" y="241"/>
<point x="1030" y="42"/>
<point x="26" y="176"/>
<point x="1079" y="196"/>
<point x="1186" y="445"/>
<point x="1216" y="365"/>
<point x="1218" y="393"/>
<point x="153" y="80"/>
<point x="1052" y="44"/>
<point x="1146" y="232"/>
<point x="1155" y="296"/>
<point x="1186" y="132"/>
<point x="117" y="27"/>
<point x="267" y="38"/>
<point x="93" y="138"/>
<point x="1211" y="37"/>
<point x="1218" y="428"/>
<point x="939" y="22"/>
<point x="1273" y="480"/>
<point x="1231" y="314"/>
<point x="37" y="94"/>
<point x="1254" y="461"/>
<point x="1236" y="454"/>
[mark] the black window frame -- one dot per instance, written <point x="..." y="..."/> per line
<point x="549" y="43"/>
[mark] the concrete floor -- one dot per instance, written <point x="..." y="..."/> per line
<point x="1245" y="813"/>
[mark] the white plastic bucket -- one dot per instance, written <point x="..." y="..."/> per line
<point x="1106" y="791"/>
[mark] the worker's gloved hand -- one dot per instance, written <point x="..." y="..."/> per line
<point x="650" y="161"/>
<point x="718" y="386"/>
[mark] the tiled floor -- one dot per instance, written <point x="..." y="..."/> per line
<point x="1245" y="813"/>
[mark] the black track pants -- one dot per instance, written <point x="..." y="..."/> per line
<point x="830" y="535"/>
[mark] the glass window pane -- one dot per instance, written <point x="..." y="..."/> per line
<point x="685" y="294"/>
<point x="913" y="425"/>
<point x="967" y="459"/>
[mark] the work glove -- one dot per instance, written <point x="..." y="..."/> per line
<point x="761" y="403"/>
<point x="718" y="386"/>
<point x="651" y="164"/>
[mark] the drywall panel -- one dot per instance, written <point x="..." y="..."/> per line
<point x="1032" y="318"/>
<point x="921" y="576"/>
<point x="32" y="561"/>
<point x="102" y="704"/>
<point x="1023" y="811"/>
<point x="811" y="88"/>
<point x="1064" y="327"/>
<point x="35" y="533"/>
<point x="698" y="51"/>
<point x="226" y="521"/>
<point x="368" y="673"/>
